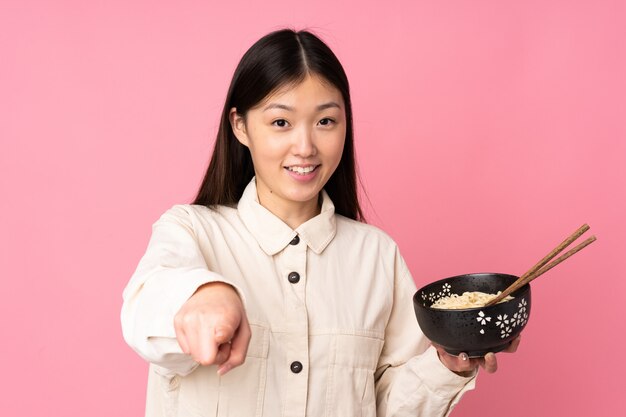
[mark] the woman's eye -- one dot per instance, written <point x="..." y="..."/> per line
<point x="280" y="123"/>
<point x="326" y="121"/>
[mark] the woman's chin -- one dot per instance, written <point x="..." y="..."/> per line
<point x="302" y="198"/>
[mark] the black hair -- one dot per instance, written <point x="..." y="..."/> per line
<point x="279" y="58"/>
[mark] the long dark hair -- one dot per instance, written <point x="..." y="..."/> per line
<point x="279" y="58"/>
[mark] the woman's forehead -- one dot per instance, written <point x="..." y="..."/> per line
<point x="311" y="89"/>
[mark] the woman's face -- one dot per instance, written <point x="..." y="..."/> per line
<point x="296" y="138"/>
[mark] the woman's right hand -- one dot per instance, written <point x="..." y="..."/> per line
<point x="212" y="327"/>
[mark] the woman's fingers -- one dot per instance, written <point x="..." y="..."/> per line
<point x="212" y="327"/>
<point x="463" y="365"/>
<point x="489" y="362"/>
<point x="460" y="364"/>
<point x="206" y="346"/>
<point x="238" y="347"/>
<point x="223" y="352"/>
<point x="209" y="345"/>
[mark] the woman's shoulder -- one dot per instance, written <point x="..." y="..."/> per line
<point x="190" y="214"/>
<point x="355" y="229"/>
<point x="371" y="243"/>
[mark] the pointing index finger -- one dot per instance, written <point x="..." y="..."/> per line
<point x="238" y="348"/>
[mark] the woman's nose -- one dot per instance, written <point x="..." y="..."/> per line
<point x="304" y="144"/>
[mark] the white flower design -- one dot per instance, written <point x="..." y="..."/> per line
<point x="503" y="320"/>
<point x="524" y="319"/>
<point x="446" y="287"/>
<point x="521" y="317"/>
<point x="482" y="319"/>
<point x="505" y="323"/>
<point x="506" y="332"/>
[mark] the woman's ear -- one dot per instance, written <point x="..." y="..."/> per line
<point x="238" y="124"/>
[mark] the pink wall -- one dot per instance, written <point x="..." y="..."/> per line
<point x="486" y="130"/>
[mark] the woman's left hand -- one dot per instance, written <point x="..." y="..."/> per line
<point x="465" y="366"/>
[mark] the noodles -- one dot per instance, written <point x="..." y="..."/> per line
<point x="467" y="300"/>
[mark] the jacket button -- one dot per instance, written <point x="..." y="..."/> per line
<point x="174" y="382"/>
<point x="293" y="277"/>
<point x="295" y="240"/>
<point x="296" y="367"/>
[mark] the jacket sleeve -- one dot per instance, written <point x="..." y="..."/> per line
<point x="170" y="271"/>
<point x="410" y="378"/>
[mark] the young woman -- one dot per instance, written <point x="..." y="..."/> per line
<point x="269" y="295"/>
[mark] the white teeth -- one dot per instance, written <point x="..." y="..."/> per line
<point x="301" y="170"/>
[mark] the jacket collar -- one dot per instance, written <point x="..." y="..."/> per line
<point x="273" y="235"/>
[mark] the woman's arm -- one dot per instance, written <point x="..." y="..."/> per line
<point x="171" y="282"/>
<point x="411" y="380"/>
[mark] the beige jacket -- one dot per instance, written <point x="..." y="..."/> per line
<point x="337" y="338"/>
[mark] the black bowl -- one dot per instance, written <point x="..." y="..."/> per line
<point x="475" y="331"/>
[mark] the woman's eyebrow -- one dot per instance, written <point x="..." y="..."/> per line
<point x="278" y="106"/>
<point x="288" y="108"/>
<point x="328" y="106"/>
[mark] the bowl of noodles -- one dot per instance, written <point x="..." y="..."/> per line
<point x="451" y="313"/>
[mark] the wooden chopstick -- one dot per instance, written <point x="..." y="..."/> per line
<point x="558" y="260"/>
<point x="532" y="272"/>
<point x="551" y="265"/>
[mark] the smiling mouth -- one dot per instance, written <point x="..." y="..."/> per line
<point x="302" y="170"/>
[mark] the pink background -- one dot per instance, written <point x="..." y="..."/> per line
<point x="487" y="131"/>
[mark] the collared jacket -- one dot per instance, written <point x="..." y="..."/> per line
<point x="330" y="310"/>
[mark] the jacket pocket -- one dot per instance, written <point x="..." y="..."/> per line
<point x="238" y="393"/>
<point x="162" y="393"/>
<point x="351" y="389"/>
